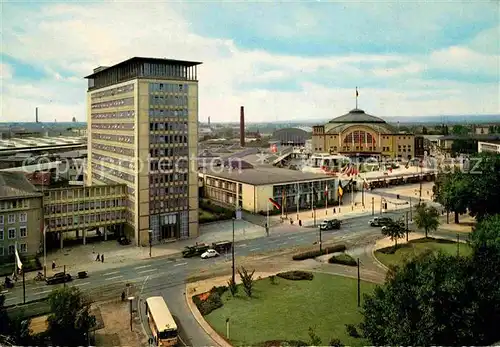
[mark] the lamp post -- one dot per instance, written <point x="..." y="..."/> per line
<point x="150" y="232"/>
<point x="320" y="240"/>
<point x="131" y="299"/>
<point x="232" y="256"/>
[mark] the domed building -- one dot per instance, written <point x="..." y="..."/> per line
<point x="358" y="134"/>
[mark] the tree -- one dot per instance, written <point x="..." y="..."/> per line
<point x="335" y="342"/>
<point x="463" y="146"/>
<point x="247" y="280"/>
<point x="233" y="288"/>
<point x="459" y="130"/>
<point x="395" y="230"/>
<point x="427" y="218"/>
<point x="453" y="190"/>
<point x="424" y="130"/>
<point x="427" y="301"/>
<point x="486" y="233"/>
<point x="70" y="320"/>
<point x="315" y="340"/>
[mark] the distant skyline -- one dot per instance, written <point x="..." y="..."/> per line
<point x="284" y="61"/>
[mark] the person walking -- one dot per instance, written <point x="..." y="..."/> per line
<point x="53" y="264"/>
<point x="98" y="257"/>
<point x="102" y="258"/>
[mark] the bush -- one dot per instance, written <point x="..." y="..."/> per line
<point x="296" y="275"/>
<point x="334" y="342"/>
<point x="283" y="343"/>
<point x="344" y="259"/>
<point x="317" y="253"/>
<point x="351" y="330"/>
<point x="272" y="279"/>
<point x="212" y="302"/>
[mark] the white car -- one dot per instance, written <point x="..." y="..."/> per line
<point x="211" y="253"/>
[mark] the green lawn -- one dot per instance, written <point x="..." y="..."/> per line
<point x="286" y="310"/>
<point x="418" y="246"/>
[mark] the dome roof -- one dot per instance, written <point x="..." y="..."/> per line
<point x="357" y="116"/>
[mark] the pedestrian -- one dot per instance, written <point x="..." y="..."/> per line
<point x="98" y="257"/>
<point x="123" y="296"/>
<point x="53" y="264"/>
<point x="102" y="258"/>
<point x="334" y="210"/>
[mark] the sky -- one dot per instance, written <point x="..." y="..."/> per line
<point x="299" y="60"/>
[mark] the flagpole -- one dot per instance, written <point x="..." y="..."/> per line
<point x="298" y="200"/>
<point x="326" y="202"/>
<point x="267" y="220"/>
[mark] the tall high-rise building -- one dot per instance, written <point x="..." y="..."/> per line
<point x="142" y="117"/>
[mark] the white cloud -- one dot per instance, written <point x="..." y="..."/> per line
<point x="71" y="40"/>
<point x="5" y="71"/>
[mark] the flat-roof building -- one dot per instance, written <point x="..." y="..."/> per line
<point x="142" y="122"/>
<point x="249" y="187"/>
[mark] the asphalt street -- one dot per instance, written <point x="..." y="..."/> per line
<point x="167" y="276"/>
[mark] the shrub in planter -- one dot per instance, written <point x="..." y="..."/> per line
<point x="351" y="330"/>
<point x="317" y="253"/>
<point x="344" y="259"/>
<point x="212" y="302"/>
<point x="296" y="275"/>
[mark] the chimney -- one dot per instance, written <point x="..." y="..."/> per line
<point x="242" y="126"/>
<point x="36" y="114"/>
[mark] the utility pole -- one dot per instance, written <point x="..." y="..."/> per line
<point x="232" y="254"/>
<point x="406" y="226"/>
<point x="24" y="287"/>
<point x="373" y="206"/>
<point x="359" y="287"/>
<point x="411" y="210"/>
<point x="320" y="240"/>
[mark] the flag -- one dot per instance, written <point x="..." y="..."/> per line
<point x="357" y="94"/>
<point x="275" y="203"/>
<point x="18" y="259"/>
<point x="340" y="190"/>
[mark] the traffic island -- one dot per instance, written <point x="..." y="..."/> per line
<point x="390" y="255"/>
<point x="282" y="308"/>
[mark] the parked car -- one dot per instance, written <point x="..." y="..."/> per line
<point x="193" y="251"/>
<point x="59" y="277"/>
<point x="222" y="246"/>
<point x="379" y="221"/>
<point x="211" y="253"/>
<point x="330" y="224"/>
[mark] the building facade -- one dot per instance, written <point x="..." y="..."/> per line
<point x="142" y="121"/>
<point x="21" y="217"/>
<point x="250" y="189"/>
<point x="357" y="134"/>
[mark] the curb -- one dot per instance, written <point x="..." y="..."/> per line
<point x="216" y="338"/>
<point x="379" y="263"/>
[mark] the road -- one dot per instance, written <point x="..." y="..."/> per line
<point x="167" y="276"/>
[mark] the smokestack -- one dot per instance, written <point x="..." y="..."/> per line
<point x="209" y="121"/>
<point x="36" y="114"/>
<point x="242" y="126"/>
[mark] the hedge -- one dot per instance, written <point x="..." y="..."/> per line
<point x="344" y="259"/>
<point x="317" y="253"/>
<point x="211" y="303"/>
<point x="296" y="275"/>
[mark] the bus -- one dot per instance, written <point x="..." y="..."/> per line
<point x="161" y="322"/>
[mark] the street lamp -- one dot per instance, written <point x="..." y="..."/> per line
<point x="131" y="299"/>
<point x="150" y="232"/>
<point x="320" y="240"/>
<point x="232" y="253"/>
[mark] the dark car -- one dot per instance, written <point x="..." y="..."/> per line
<point x="59" y="277"/>
<point x="330" y="224"/>
<point x="379" y="221"/>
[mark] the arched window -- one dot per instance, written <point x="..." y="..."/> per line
<point x="359" y="137"/>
